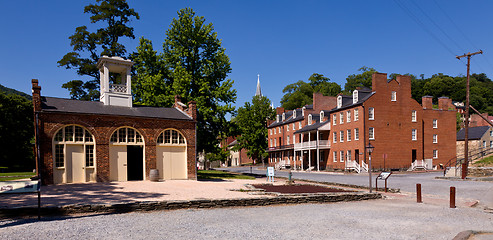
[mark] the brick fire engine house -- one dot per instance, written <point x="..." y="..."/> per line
<point x="112" y="140"/>
<point x="333" y="132"/>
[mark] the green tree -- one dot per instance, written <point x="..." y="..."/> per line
<point x="16" y="133"/>
<point x="252" y="121"/>
<point x="299" y="94"/>
<point x="193" y="65"/>
<point x="113" y="15"/>
<point x="363" y="79"/>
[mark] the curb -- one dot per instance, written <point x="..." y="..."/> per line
<point x="174" y="205"/>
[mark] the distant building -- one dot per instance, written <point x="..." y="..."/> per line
<point x="112" y="140"/>
<point x="479" y="138"/>
<point x="333" y="132"/>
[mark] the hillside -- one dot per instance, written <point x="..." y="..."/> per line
<point x="7" y="90"/>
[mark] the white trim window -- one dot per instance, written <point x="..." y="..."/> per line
<point x="356" y="134"/>
<point x="294" y="126"/>
<point x="294" y="113"/>
<point x="371" y="133"/>
<point x="355" y="96"/>
<point x="294" y="139"/>
<point x="334" y="119"/>
<point x="334" y="154"/>
<point x="491" y="144"/>
<point x="349" y="135"/>
<point x="435" y="138"/>
<point x="270" y="131"/>
<point x="310" y="119"/>
<point x="435" y="154"/>
<point x="348" y="116"/>
<point x="270" y="142"/>
<point x="287" y="140"/>
<point x="348" y="155"/>
<point x="322" y="115"/>
<point x="341" y="136"/>
<point x="414" y="134"/>
<point x="299" y="125"/>
<point x="341" y="118"/>
<point x="356" y="115"/>
<point x="393" y="96"/>
<point x="371" y="113"/>
<point x="341" y="156"/>
<point x="275" y="142"/>
<point x="283" y="116"/>
<point x="435" y="123"/>
<point x="413" y="116"/>
<point x="335" y="137"/>
<point x="339" y="101"/>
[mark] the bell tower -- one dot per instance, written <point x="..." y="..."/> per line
<point x="115" y="81"/>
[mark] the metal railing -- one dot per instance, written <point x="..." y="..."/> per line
<point x="473" y="155"/>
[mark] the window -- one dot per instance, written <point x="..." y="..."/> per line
<point x="393" y="96"/>
<point x="484" y="144"/>
<point x="356" y="115"/>
<point x="279" y="129"/>
<point x="371" y="134"/>
<point x="334" y="154"/>
<point x="90" y="156"/>
<point x="275" y="142"/>
<point x="79" y="134"/>
<point x="491" y="133"/>
<point x="413" y="137"/>
<point x="334" y="119"/>
<point x="59" y="156"/>
<point x="287" y="128"/>
<point x="355" y="96"/>
<point x="287" y="140"/>
<point x="322" y="116"/>
<point x="341" y="156"/>
<point x="339" y="101"/>
<point x="270" y="142"/>
<point x="341" y="118"/>
<point x="170" y="136"/>
<point x="299" y="125"/>
<point x="413" y="116"/>
<point x="335" y="137"/>
<point x="371" y="113"/>
<point x="342" y="136"/>
<point x="435" y="138"/>
<point x="283" y="116"/>
<point x="356" y="134"/>
<point x="349" y="135"/>
<point x="491" y="144"/>
<point x="270" y="131"/>
<point x="294" y="114"/>
<point x="435" y="123"/>
<point x="294" y="126"/>
<point x="348" y="116"/>
<point x="309" y="119"/>
<point x="348" y="155"/>
<point x="435" y="153"/>
<point x="277" y="118"/>
<point x="294" y="139"/>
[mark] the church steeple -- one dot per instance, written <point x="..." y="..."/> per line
<point x="258" y="92"/>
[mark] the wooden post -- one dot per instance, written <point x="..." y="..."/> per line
<point x="418" y="193"/>
<point x="452" y="197"/>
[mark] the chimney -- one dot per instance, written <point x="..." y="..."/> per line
<point x="36" y="95"/>
<point x="427" y="102"/>
<point x="378" y="81"/>
<point x="192" y="109"/>
<point x="444" y="103"/>
<point x="404" y="86"/>
<point x="279" y="110"/>
<point x="178" y="104"/>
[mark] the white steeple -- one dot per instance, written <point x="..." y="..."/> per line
<point x="118" y="92"/>
<point x="258" y="92"/>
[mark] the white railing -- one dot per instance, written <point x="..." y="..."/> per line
<point x="364" y="166"/>
<point x="312" y="144"/>
<point x="324" y="143"/>
<point x="353" y="165"/>
<point x="419" y="164"/>
<point x="281" y="164"/>
<point x="118" y="88"/>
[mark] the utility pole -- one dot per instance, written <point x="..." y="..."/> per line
<point x="465" y="164"/>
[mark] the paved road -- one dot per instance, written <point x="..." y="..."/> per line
<point x="373" y="219"/>
<point x="467" y="190"/>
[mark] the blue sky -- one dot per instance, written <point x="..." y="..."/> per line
<point x="283" y="41"/>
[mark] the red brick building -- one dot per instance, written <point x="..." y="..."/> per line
<point x="404" y="133"/>
<point x="112" y="140"/>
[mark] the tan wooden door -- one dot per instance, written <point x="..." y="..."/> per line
<point x="118" y="163"/>
<point x="75" y="164"/>
<point x="172" y="162"/>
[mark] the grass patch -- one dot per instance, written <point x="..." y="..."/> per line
<point x="5" y="179"/>
<point x="213" y="174"/>
<point x="17" y="174"/>
<point x="485" y="162"/>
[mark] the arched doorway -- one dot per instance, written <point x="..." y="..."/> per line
<point x="171" y="155"/>
<point x="74" y="158"/>
<point x="126" y="155"/>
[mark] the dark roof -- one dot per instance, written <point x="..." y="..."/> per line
<point x="473" y="134"/>
<point x="288" y="118"/>
<point x="312" y="127"/>
<point x="62" y="105"/>
<point x="347" y="101"/>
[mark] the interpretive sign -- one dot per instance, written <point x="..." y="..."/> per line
<point x="384" y="175"/>
<point x="19" y="187"/>
<point x="270" y="174"/>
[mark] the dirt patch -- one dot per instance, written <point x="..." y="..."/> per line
<point x="298" y="188"/>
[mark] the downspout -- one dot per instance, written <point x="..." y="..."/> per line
<point x="36" y="142"/>
<point x="364" y="133"/>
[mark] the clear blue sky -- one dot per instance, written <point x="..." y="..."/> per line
<point x="283" y="41"/>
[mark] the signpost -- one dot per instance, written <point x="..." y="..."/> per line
<point x="270" y="174"/>
<point x="15" y="187"/>
<point x="382" y="176"/>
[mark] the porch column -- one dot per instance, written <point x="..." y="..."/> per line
<point x="294" y="158"/>
<point x="318" y="151"/>
<point x="309" y="151"/>
<point x="301" y="159"/>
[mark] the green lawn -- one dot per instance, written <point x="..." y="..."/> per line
<point x="213" y="174"/>
<point x="15" y="175"/>
<point x="485" y="162"/>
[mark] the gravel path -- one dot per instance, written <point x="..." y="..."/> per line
<point x="375" y="219"/>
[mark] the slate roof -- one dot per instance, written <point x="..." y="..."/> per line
<point x="312" y="127"/>
<point x="474" y="133"/>
<point x="62" y="105"/>
<point x="347" y="101"/>
<point x="288" y="118"/>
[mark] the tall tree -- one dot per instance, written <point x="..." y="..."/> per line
<point x="88" y="46"/>
<point x="252" y="121"/>
<point x="300" y="93"/>
<point x="362" y="79"/>
<point x="193" y="65"/>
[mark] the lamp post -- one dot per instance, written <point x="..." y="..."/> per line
<point x="369" y="149"/>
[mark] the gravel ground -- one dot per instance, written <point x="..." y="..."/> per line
<point x="375" y="219"/>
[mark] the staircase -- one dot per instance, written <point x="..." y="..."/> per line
<point x="353" y="165"/>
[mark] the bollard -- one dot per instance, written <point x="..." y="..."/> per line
<point x="452" y="197"/>
<point x="250" y="169"/>
<point x="418" y="193"/>
<point x="290" y="175"/>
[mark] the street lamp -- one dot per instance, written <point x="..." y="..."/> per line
<point x="369" y="149"/>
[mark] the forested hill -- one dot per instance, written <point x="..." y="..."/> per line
<point x="7" y="91"/>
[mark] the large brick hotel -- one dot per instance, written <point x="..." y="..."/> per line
<point x="333" y="132"/>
